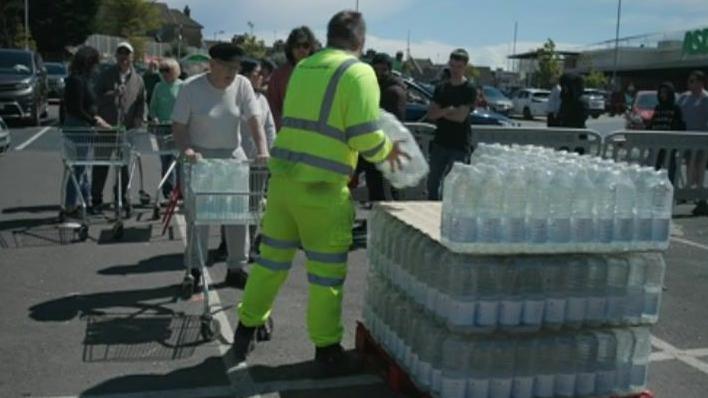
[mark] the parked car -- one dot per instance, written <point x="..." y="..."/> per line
<point x="530" y="102"/>
<point x="56" y="75"/>
<point x="497" y="101"/>
<point x="594" y="102"/>
<point x="23" y="86"/>
<point x="639" y="116"/>
<point x="419" y="100"/>
<point x="4" y="137"/>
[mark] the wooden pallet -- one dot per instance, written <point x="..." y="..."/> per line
<point x="395" y="376"/>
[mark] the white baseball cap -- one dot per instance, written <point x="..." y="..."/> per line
<point x="126" y="45"/>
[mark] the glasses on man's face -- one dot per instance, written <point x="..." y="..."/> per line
<point x="304" y="46"/>
<point x="123" y="52"/>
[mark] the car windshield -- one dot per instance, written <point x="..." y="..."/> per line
<point x="647" y="101"/>
<point x="16" y="63"/>
<point x="492" y="93"/>
<point x="542" y="94"/>
<point x="593" y="93"/>
<point x="55" y="69"/>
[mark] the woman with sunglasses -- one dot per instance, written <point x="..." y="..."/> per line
<point x="301" y="44"/>
<point x="161" y="103"/>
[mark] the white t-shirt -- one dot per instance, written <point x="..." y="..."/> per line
<point x="265" y="119"/>
<point x="213" y="116"/>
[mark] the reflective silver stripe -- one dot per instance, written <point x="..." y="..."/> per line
<point x="279" y="243"/>
<point x="362" y="129"/>
<point x="311" y="160"/>
<point x="333" y="258"/>
<point x="371" y="152"/>
<point x="273" y="265"/>
<point x="315" y="127"/>
<point x="323" y="281"/>
<point x="328" y="99"/>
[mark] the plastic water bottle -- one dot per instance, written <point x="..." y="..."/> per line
<point x="643" y="226"/>
<point x="537" y="208"/>
<point x="625" y="199"/>
<point x="511" y="302"/>
<point x="554" y="287"/>
<point x="625" y="342"/>
<point x="635" y="289"/>
<point x="489" y="207"/>
<point x="653" y="286"/>
<point x="462" y="282"/>
<point x="488" y="293"/>
<point x="640" y="358"/>
<point x="515" y="206"/>
<point x="576" y="307"/>
<point x="502" y="370"/>
<point x="605" y="203"/>
<point x="525" y="368"/>
<point x="451" y="203"/>
<point x="595" y="315"/>
<point x="662" y="202"/>
<point x="559" y="198"/>
<point x="605" y="373"/>
<point x="545" y="375"/>
<point x="617" y="284"/>
<point x="583" y="210"/>
<point x="585" y="364"/>
<point x="565" y="375"/>
<point x="412" y="170"/>
<point x="455" y="367"/>
<point x="481" y="362"/>
<point x="468" y="198"/>
<point x="530" y="289"/>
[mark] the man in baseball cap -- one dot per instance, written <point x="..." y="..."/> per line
<point x="124" y="45"/>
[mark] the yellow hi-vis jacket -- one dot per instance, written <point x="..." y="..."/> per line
<point x="330" y="115"/>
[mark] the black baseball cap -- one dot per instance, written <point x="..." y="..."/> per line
<point x="382" y="58"/>
<point x="227" y="53"/>
<point x="460" y="54"/>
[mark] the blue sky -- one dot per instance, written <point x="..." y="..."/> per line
<point x="484" y="28"/>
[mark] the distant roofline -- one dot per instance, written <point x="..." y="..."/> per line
<point x="534" y="54"/>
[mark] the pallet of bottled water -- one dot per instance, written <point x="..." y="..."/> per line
<point x="529" y="199"/>
<point x="567" y="363"/>
<point x="220" y="191"/>
<point x="516" y="294"/>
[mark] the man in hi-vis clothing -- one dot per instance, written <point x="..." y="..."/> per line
<point x="330" y="116"/>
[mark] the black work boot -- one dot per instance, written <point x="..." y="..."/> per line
<point x="333" y="361"/>
<point x="244" y="341"/>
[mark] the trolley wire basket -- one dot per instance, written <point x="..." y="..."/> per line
<point x="95" y="147"/>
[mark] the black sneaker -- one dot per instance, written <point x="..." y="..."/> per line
<point x="244" y="342"/>
<point x="220" y="253"/>
<point x="701" y="208"/>
<point x="236" y="278"/>
<point x="197" y="275"/>
<point x="333" y="361"/>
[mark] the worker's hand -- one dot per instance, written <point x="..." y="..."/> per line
<point x="100" y="123"/>
<point x="191" y="155"/>
<point x="394" y="157"/>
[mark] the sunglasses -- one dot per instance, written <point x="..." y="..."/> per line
<point x="302" y="45"/>
<point x="122" y="51"/>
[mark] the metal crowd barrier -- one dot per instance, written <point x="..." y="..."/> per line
<point x="583" y="141"/>
<point x="683" y="154"/>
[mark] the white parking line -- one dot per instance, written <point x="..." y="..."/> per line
<point x="33" y="138"/>
<point x="669" y="352"/>
<point x="689" y="243"/>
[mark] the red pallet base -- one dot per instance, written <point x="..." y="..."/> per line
<point x="396" y="377"/>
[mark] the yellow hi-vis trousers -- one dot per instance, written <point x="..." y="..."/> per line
<point x="318" y="217"/>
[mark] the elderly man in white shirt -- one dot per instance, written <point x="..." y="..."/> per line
<point x="206" y="122"/>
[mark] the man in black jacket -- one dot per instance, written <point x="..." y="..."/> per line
<point x="121" y="101"/>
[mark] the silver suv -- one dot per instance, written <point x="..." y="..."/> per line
<point x="23" y="86"/>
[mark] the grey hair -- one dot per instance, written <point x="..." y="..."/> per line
<point x="172" y="64"/>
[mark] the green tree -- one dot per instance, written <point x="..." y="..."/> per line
<point x="596" y="79"/>
<point x="549" y="65"/>
<point x="253" y="46"/>
<point x="56" y="24"/>
<point x="130" y="19"/>
<point x="471" y="73"/>
<point x="11" y="29"/>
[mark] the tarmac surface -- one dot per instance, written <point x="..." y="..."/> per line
<point x="103" y="318"/>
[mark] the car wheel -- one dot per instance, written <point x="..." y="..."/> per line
<point x="527" y="114"/>
<point x="595" y="115"/>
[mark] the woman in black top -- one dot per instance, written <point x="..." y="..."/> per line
<point x="667" y="117"/>
<point x="80" y="110"/>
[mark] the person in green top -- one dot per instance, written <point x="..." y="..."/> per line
<point x="160" y="111"/>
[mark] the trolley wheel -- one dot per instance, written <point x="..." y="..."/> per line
<point x="144" y="198"/>
<point x="83" y="232"/>
<point x="118" y="230"/>
<point x="209" y="327"/>
<point x="186" y="289"/>
<point x="156" y="213"/>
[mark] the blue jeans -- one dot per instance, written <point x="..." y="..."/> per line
<point x="441" y="160"/>
<point x="80" y="172"/>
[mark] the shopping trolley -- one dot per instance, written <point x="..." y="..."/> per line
<point x="219" y="192"/>
<point x="157" y="140"/>
<point x="90" y="147"/>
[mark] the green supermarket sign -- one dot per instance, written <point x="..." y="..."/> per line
<point x="696" y="42"/>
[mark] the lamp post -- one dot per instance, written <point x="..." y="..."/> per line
<point x="26" y="24"/>
<point x="617" y="32"/>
